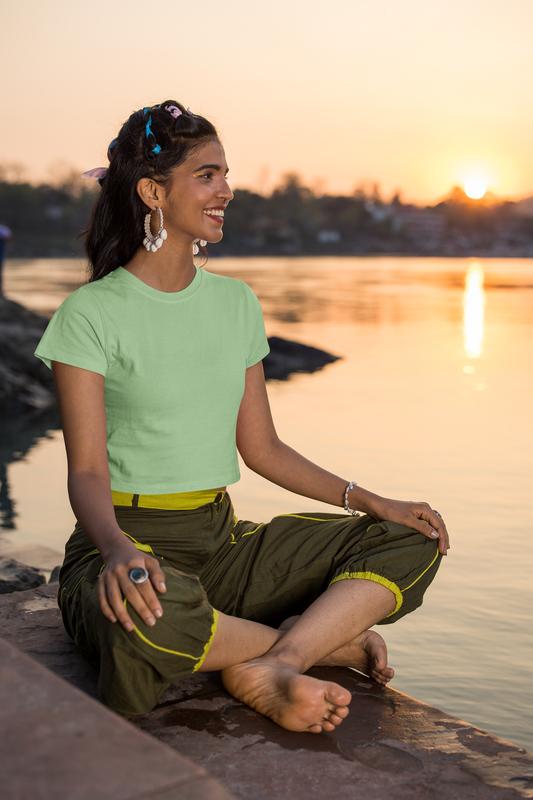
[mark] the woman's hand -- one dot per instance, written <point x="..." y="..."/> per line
<point x="419" y="516"/>
<point x="115" y="584"/>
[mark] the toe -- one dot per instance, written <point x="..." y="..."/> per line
<point x="341" y="711"/>
<point x="338" y="696"/>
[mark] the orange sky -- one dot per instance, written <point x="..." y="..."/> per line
<point x="413" y="94"/>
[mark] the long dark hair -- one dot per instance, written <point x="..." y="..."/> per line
<point x="151" y="144"/>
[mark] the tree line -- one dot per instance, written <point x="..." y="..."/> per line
<point x="47" y="220"/>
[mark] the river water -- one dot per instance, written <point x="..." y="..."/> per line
<point x="432" y="401"/>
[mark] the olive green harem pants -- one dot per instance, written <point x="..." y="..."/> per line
<point x="262" y="572"/>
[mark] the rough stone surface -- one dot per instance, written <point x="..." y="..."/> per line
<point x="286" y="357"/>
<point x="58" y="743"/>
<point x="390" y="747"/>
<point x="17" y="577"/>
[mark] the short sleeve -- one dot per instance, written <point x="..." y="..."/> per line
<point x="75" y="335"/>
<point x="258" y="342"/>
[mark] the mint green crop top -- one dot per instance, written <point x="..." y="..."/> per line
<point x="174" y="367"/>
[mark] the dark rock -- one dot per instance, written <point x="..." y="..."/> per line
<point x="17" y="577"/>
<point x="25" y="383"/>
<point x="54" y="577"/>
<point x="286" y="357"/>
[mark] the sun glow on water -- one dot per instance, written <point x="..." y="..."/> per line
<point x="474" y="307"/>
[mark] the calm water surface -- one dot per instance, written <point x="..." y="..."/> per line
<point x="431" y="401"/>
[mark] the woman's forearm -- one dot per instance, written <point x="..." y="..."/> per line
<point x="284" y="466"/>
<point x="90" y="498"/>
<point x="287" y="468"/>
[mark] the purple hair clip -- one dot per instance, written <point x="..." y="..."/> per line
<point x="174" y="111"/>
<point x="97" y="172"/>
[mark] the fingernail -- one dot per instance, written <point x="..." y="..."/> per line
<point x="435" y="534"/>
<point x="162" y="586"/>
<point x="128" y="626"/>
<point x="158" y="613"/>
<point x="150" y="621"/>
<point x="112" y="618"/>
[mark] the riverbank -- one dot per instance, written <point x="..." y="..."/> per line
<point x="201" y="744"/>
<point x="26" y="385"/>
<point x="400" y="415"/>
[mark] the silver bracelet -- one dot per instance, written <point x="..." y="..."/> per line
<point x="346" y="506"/>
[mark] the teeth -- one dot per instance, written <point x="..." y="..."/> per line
<point x="213" y="212"/>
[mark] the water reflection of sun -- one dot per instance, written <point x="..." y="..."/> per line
<point x="474" y="307"/>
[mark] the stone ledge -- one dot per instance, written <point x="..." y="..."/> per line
<point x="57" y="742"/>
<point x="390" y="746"/>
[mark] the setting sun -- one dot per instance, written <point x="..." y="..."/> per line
<point x="475" y="188"/>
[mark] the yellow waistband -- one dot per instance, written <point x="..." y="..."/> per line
<point x="182" y="501"/>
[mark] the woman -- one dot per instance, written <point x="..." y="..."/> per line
<point x="159" y="378"/>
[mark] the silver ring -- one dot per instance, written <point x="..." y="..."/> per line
<point x="139" y="575"/>
<point x="437" y="513"/>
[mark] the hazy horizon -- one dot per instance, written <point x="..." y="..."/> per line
<point x="415" y="96"/>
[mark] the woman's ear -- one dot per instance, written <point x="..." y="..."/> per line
<point x="150" y="192"/>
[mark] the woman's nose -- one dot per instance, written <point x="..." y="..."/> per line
<point x="226" y="192"/>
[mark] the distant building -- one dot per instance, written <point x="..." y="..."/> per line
<point x="328" y="237"/>
<point x="426" y="228"/>
<point x="524" y="208"/>
<point x="379" y="212"/>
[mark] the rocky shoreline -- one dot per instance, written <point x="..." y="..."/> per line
<point x="26" y="385"/>
<point x="18" y="577"/>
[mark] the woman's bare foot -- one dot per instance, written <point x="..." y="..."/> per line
<point x="295" y="702"/>
<point x="366" y="653"/>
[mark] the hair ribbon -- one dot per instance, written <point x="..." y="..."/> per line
<point x="97" y="172"/>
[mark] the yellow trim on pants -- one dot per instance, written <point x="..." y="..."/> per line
<point x="180" y="501"/>
<point x="199" y="659"/>
<point x="371" y="576"/>
<point x="423" y="573"/>
<point x="210" y="642"/>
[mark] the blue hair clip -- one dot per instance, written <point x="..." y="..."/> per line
<point x="111" y="146"/>
<point x="149" y="132"/>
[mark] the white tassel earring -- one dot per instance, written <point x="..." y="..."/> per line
<point x="195" y="249"/>
<point x="151" y="242"/>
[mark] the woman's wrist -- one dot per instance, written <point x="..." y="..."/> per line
<point x="117" y="545"/>
<point x="362" y="500"/>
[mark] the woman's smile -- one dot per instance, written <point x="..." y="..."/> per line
<point x="216" y="213"/>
